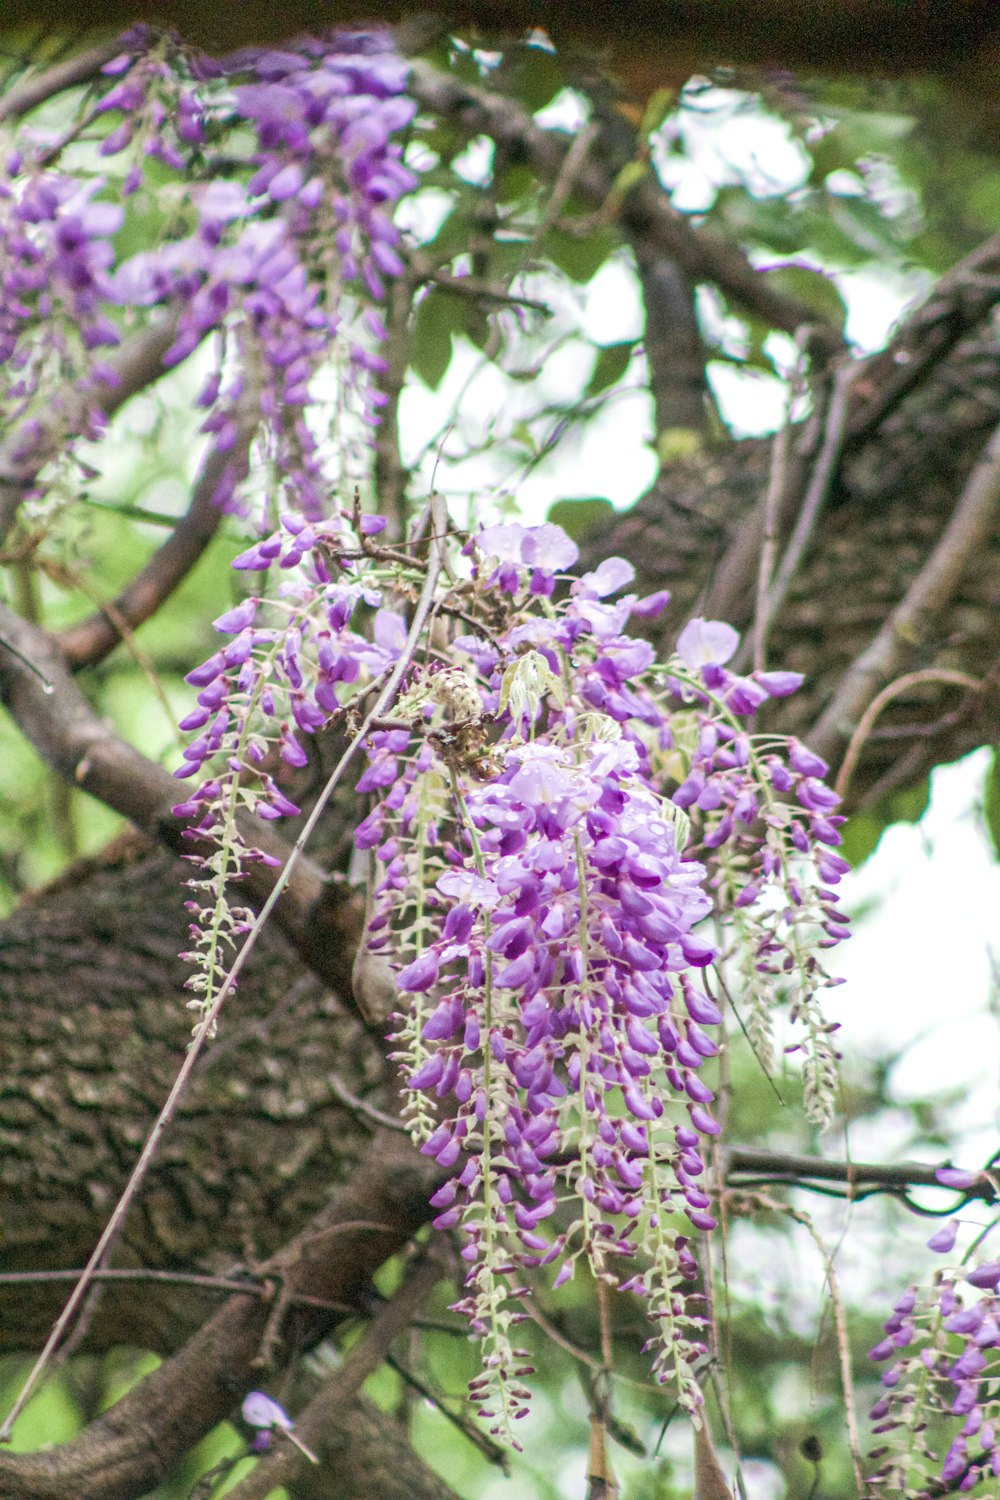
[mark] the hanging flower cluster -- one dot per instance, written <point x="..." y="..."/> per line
<point x="564" y="830"/>
<point x="259" y="696"/>
<point x="736" y="785"/>
<point x="276" y="175"/>
<point x="945" y="1353"/>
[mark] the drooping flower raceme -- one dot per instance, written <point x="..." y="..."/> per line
<point x="275" y="175"/>
<point x="943" y="1344"/>
<point x="562" y="827"/>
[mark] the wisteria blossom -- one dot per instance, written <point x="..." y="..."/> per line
<point x="275" y="263"/>
<point x="942" y="1345"/>
<point x="559" y="824"/>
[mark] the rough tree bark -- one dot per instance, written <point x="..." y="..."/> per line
<point x="92" y="1028"/>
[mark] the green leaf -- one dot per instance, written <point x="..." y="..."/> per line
<point x="438" y="318"/>
<point x="859" y="134"/>
<point x="514" y="182"/>
<point x="610" y="365"/>
<point x="580" y="257"/>
<point x="578" y="518"/>
<point x="631" y="174"/>
<point x="815" y="289"/>
<point x="991" y="800"/>
<point x="863" y="830"/>
<point x="534" y="75"/>
<point x="454" y="233"/>
<point x="658" y="106"/>
<point x="679" y="443"/>
<point x="763" y="221"/>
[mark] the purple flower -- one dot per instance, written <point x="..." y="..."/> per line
<point x="235" y="620"/>
<point x="706" y="643"/>
<point x="541" y="551"/>
<point x="944" y="1240"/>
<point x="608" y="577"/>
<point x="954" y="1177"/>
<point x="261" y="1411"/>
<point x="779" y="684"/>
<point x="421" y="974"/>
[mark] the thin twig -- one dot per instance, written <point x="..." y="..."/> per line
<point x="772" y="506"/>
<point x="140" y="1273"/>
<point x="901" y="685"/>
<point x="391" y="475"/>
<point x="773" y="496"/>
<point x="804" y="1171"/>
<point x="425" y="269"/>
<point x="361" y="1109"/>
<point x="491" y="1451"/>
<point x="243" y="1286"/>
<point x="207" y="1025"/>
<point x="46" y="682"/>
<point x="326" y="1408"/>
<point x="840" y="1321"/>
<point x="817" y="490"/>
<point x="566" y="180"/>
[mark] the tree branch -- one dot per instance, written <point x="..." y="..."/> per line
<point x="90" y="641"/>
<point x="751" y="1166"/>
<point x="130" y="1448"/>
<point x="88" y="754"/>
<point x="650" y="42"/>
<point x="644" y="212"/>
<point x="391" y="476"/>
<point x="32" y="91"/>
<point x="960" y="301"/>
<point x="675" y="350"/>
<point x="906" y="628"/>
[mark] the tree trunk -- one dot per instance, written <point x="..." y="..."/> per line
<point x="93" y="1026"/>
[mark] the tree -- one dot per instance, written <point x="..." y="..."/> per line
<point x="178" y="234"/>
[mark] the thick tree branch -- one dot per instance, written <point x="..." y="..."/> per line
<point x="131" y="1448"/>
<point x="368" y="1457"/>
<point x="88" y="754"/>
<point x="675" y="350"/>
<point x="661" y="40"/>
<point x="907" y="627"/>
<point x="960" y="301"/>
<point x="89" y="642"/>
